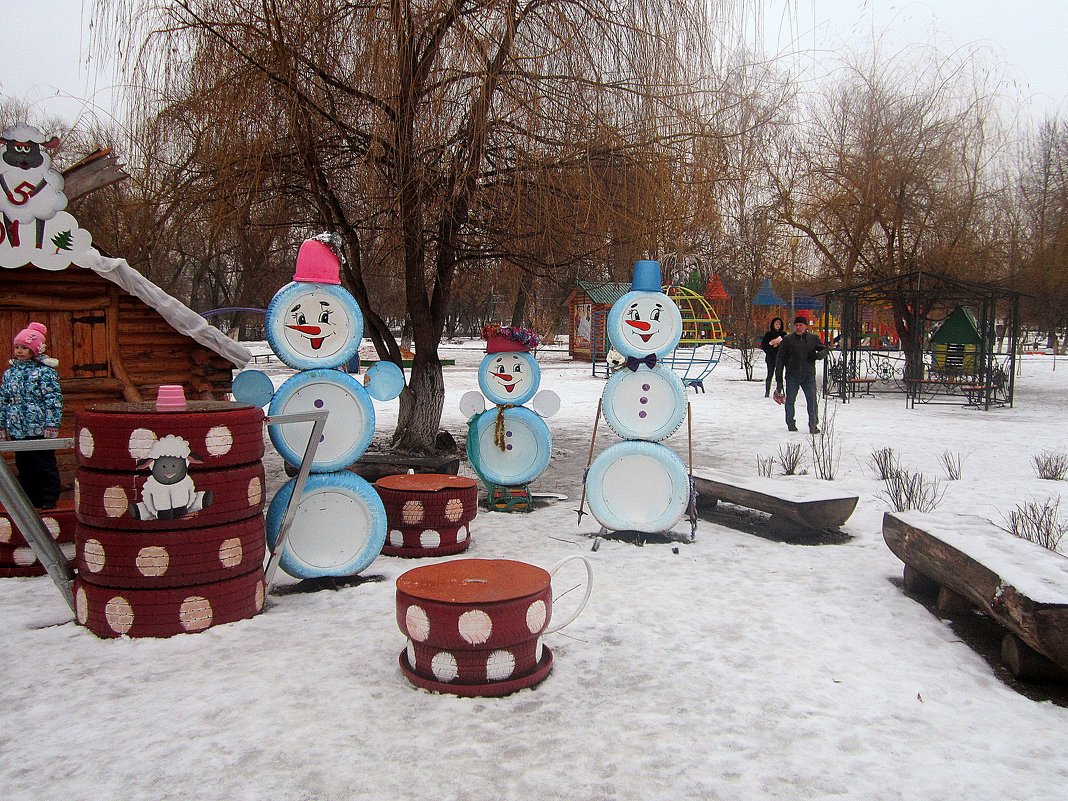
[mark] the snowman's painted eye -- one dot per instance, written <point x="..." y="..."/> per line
<point x="325" y="317"/>
<point x="300" y="319"/>
<point x="656" y="315"/>
<point x="518" y="368"/>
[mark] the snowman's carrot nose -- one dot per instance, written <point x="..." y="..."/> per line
<point x="504" y="376"/>
<point x="641" y="325"/>
<point x="312" y="330"/>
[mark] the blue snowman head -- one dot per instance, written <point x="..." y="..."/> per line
<point x="509" y="377"/>
<point x="645" y="321"/>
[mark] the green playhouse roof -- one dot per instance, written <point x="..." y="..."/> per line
<point x="959" y="328"/>
<point x="605" y="292"/>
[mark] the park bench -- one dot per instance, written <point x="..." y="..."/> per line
<point x="970" y="561"/>
<point x="795" y="503"/>
<point x="864" y="383"/>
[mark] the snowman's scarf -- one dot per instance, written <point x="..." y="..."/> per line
<point x="498" y="428"/>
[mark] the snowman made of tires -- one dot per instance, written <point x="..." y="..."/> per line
<point x="640" y="484"/>
<point x="508" y="444"/>
<point x="315" y="326"/>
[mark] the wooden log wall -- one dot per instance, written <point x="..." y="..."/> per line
<point x="111" y="346"/>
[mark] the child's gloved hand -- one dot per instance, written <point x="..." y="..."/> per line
<point x="51" y="433"/>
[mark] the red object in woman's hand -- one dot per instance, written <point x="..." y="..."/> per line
<point x="780" y="398"/>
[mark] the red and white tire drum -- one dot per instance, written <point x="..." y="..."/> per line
<point x="59" y="522"/>
<point x="119" y="436"/>
<point x="109" y="612"/>
<point x="105" y="499"/>
<point x="474" y="626"/>
<point x="149" y="559"/>
<point x="429" y="514"/>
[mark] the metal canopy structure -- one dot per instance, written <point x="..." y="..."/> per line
<point x="977" y="374"/>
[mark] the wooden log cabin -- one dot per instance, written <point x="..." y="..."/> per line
<point x="117" y="337"/>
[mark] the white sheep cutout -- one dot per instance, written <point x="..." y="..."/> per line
<point x="30" y="190"/>
<point x="169" y="492"/>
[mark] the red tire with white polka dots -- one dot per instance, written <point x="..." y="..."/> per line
<point x="22" y="572"/>
<point x="107" y="499"/>
<point x="474" y="603"/>
<point x="150" y="559"/>
<point x="24" y="556"/>
<point x="59" y="522"/>
<point x="109" y="612"/>
<point x="428" y="513"/>
<point x="475" y="665"/>
<point x="118" y="436"/>
<point x="489" y="689"/>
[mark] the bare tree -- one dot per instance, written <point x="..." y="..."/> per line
<point x="421" y="133"/>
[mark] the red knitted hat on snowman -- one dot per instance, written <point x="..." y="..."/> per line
<point x="33" y="337"/>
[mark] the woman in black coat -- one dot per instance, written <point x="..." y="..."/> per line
<point x="769" y="344"/>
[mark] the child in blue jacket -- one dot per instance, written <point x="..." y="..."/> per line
<point x="31" y="406"/>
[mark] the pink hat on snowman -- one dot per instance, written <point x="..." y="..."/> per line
<point x="33" y="337"/>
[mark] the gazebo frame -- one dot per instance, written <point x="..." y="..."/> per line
<point x="919" y="295"/>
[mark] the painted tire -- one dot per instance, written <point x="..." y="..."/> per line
<point x="427" y="542"/>
<point x="496" y="391"/>
<point x="103" y="498"/>
<point x="628" y="342"/>
<point x="24" y="556"/>
<point x="338" y="529"/>
<point x="637" y="486"/>
<point x="647" y="404"/>
<point x="60" y="523"/>
<point x="165" y="612"/>
<point x="475" y="666"/>
<point x="350" y="425"/>
<point x="474" y="603"/>
<point x="427" y="513"/>
<point x="139" y="559"/>
<point x="490" y="689"/>
<point x="118" y="436"/>
<point x="529" y="446"/>
<point x="299" y="351"/>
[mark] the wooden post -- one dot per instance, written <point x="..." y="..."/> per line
<point x="1027" y="664"/>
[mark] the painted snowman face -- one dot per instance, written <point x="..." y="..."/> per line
<point x="641" y="323"/>
<point x="509" y="377"/>
<point x="314" y="325"/>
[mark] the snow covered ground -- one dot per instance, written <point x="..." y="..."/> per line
<point x="740" y="667"/>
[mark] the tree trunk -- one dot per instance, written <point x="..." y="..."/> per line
<point x="421" y="404"/>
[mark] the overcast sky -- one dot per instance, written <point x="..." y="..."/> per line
<point x="45" y="59"/>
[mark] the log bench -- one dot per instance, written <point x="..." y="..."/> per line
<point x="795" y="504"/>
<point x="970" y="561"/>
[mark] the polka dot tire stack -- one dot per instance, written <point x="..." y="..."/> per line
<point x="170" y="537"/>
<point x="17" y="558"/>
<point x="429" y="514"/>
<point x="474" y="626"/>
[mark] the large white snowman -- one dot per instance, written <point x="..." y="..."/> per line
<point x="639" y="484"/>
<point x="509" y="445"/>
<point x="314" y="325"/>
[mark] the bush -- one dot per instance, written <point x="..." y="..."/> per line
<point x="905" y="491"/>
<point x="826" y="452"/>
<point x="953" y="464"/>
<point x="764" y="465"/>
<point x="1052" y="466"/>
<point x="885" y="463"/>
<point x="1038" y="523"/>
<point x="790" y="458"/>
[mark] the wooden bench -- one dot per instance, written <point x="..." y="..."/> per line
<point x="795" y="503"/>
<point x="970" y="561"/>
<point x="865" y="382"/>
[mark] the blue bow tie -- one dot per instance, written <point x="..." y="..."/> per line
<point x="634" y="362"/>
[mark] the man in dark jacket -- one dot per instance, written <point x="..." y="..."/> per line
<point x="798" y="354"/>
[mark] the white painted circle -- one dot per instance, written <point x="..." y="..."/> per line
<point x="86" y="445"/>
<point x="444" y="666"/>
<point x="24" y="557"/>
<point x="417" y="623"/>
<point x="255" y="491"/>
<point x="141" y="442"/>
<point x="396" y="538"/>
<point x="219" y="440"/>
<point x="195" y="613"/>
<point x="231" y="552"/>
<point x="536" y="614"/>
<point x="94" y="556"/>
<point x="52" y="525"/>
<point x="152" y="560"/>
<point x="475" y="626"/>
<point x="5" y="530"/>
<point x="500" y="665"/>
<point x="119" y="614"/>
<point x="81" y="605"/>
<point x="429" y="538"/>
<point x="454" y="510"/>
<point x="261" y="595"/>
<point x="115" y="502"/>
<point x="463" y="533"/>
<point x="410" y="648"/>
<point x="412" y="513"/>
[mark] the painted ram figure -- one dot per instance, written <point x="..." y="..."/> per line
<point x="169" y="492"/>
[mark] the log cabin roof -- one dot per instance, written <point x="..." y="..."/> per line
<point x="179" y="316"/>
